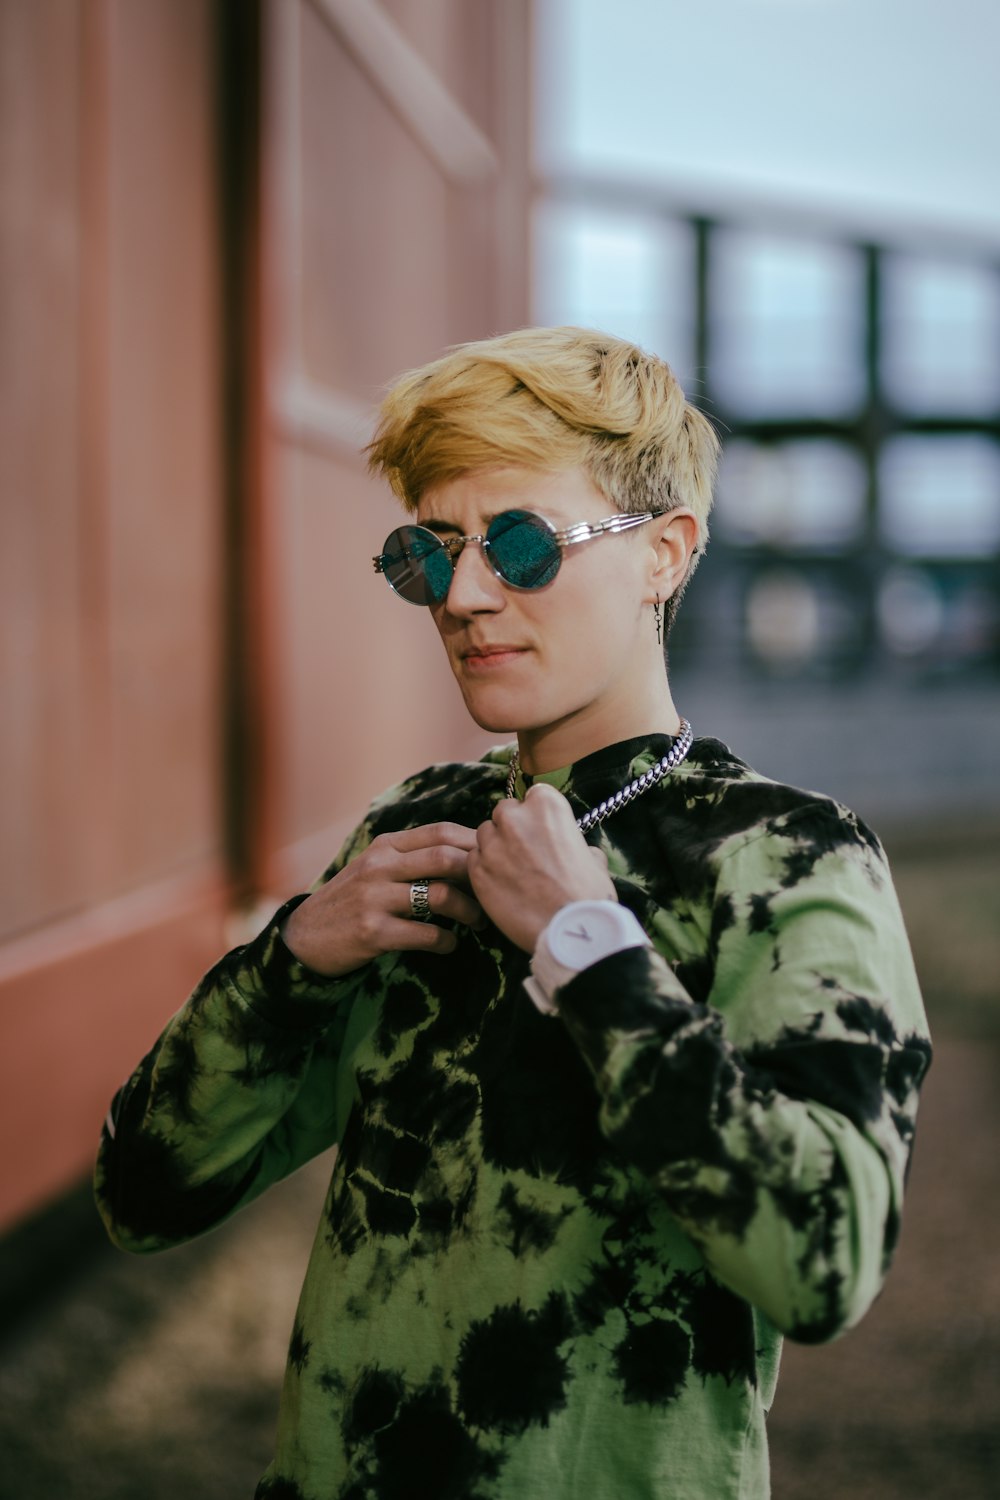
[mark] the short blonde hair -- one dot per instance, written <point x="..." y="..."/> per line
<point x="549" y="399"/>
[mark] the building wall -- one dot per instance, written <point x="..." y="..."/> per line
<point x="223" y="226"/>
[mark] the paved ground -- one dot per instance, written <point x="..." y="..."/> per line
<point x="149" y="1379"/>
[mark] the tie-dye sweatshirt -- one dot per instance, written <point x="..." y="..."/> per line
<point x="558" y="1253"/>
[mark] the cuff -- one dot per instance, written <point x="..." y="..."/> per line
<point x="276" y="986"/>
<point x="630" y="991"/>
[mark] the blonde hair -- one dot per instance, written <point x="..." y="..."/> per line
<point x="550" y="399"/>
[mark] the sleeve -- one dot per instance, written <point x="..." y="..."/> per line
<point x="240" y="1090"/>
<point x="778" y="1117"/>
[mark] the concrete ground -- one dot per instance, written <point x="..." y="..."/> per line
<point x="148" y="1379"/>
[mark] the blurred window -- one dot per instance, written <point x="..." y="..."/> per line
<point x="940" y="495"/>
<point x="800" y="621"/>
<point x="628" y="274"/>
<point x="808" y="493"/>
<point x="787" y="331"/>
<point x="783" y="619"/>
<point x="940" y="615"/>
<point x="857" y="392"/>
<point x="911" y="612"/>
<point x="941" y="335"/>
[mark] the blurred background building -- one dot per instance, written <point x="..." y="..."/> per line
<point x="224" y="226"/>
<point x="798" y="202"/>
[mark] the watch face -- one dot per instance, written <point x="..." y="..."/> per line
<point x="587" y="932"/>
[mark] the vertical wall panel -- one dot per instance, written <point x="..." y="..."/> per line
<point x="41" y="745"/>
<point x="111" y="543"/>
<point x="374" y="215"/>
<point x="111" y="865"/>
<point x="165" y="528"/>
<point x="383" y="250"/>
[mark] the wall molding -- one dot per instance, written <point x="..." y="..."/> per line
<point x="80" y="1002"/>
<point x="413" y="90"/>
<point x="319" y="417"/>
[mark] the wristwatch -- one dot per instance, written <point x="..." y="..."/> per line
<point x="578" y="935"/>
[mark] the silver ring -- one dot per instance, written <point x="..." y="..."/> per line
<point x="420" y="907"/>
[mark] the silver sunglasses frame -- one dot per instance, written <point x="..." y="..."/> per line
<point x="568" y="536"/>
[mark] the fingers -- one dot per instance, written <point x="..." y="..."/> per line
<point x="445" y="903"/>
<point x="417" y="937"/>
<point x="365" y="909"/>
<point x="440" y="862"/>
<point x="444" y="900"/>
<point x="542" y="789"/>
<point x="539" y="791"/>
<point x="531" y="859"/>
<point x="453" y="835"/>
<point x="541" y="801"/>
<point x="430" y="856"/>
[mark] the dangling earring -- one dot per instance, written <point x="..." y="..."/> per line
<point x="659" y="621"/>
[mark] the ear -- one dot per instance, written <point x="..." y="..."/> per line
<point x="674" y="542"/>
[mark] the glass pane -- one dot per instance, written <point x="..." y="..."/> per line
<point x="787" y="325"/>
<point x="910" y="611"/>
<point x="939" y="616"/>
<point x="941" y="335"/>
<point x="800" y="494"/>
<point x="629" y="274"/>
<point x="783" y="619"/>
<point x="941" y="496"/>
<point x="797" y="622"/>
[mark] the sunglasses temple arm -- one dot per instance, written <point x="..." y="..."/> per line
<point x="586" y="531"/>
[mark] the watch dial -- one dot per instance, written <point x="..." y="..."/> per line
<point x="582" y="937"/>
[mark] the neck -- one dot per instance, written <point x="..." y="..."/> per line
<point x="569" y="740"/>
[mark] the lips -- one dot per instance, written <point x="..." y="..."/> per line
<point x="495" y="655"/>
<point x="500" y="648"/>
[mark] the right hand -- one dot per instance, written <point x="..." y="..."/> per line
<point x="365" y="909"/>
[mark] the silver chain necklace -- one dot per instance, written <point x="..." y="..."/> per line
<point x="670" y="762"/>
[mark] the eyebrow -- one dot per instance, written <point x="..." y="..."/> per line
<point x="440" y="527"/>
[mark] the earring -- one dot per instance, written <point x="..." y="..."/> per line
<point x="657" y="616"/>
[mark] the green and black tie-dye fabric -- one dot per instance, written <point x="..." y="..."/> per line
<point x="558" y="1254"/>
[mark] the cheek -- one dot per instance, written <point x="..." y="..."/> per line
<point x="443" y="624"/>
<point x="594" y="612"/>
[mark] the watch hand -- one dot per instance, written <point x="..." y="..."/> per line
<point x="580" y="933"/>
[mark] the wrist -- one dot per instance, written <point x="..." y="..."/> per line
<point x="303" y="938"/>
<point x="290" y="933"/>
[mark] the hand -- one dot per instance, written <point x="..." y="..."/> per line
<point x="530" y="860"/>
<point x="365" y="910"/>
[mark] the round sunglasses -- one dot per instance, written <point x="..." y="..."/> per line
<point x="523" y="549"/>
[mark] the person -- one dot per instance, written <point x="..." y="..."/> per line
<point x="620" y="1041"/>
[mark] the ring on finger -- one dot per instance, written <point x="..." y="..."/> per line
<point x="420" y="907"/>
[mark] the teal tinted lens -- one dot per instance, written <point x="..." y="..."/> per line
<point x="416" y="565"/>
<point x="523" y="549"/>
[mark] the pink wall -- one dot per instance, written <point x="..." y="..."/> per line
<point x="203" y="682"/>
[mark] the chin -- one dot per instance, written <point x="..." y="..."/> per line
<point x="500" y="715"/>
<point x="497" y="712"/>
<point x="496" y="723"/>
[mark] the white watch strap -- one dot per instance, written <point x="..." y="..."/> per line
<point x="539" y="998"/>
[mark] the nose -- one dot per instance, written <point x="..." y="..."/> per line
<point x="475" y="588"/>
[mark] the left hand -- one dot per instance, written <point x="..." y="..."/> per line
<point x="530" y="860"/>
